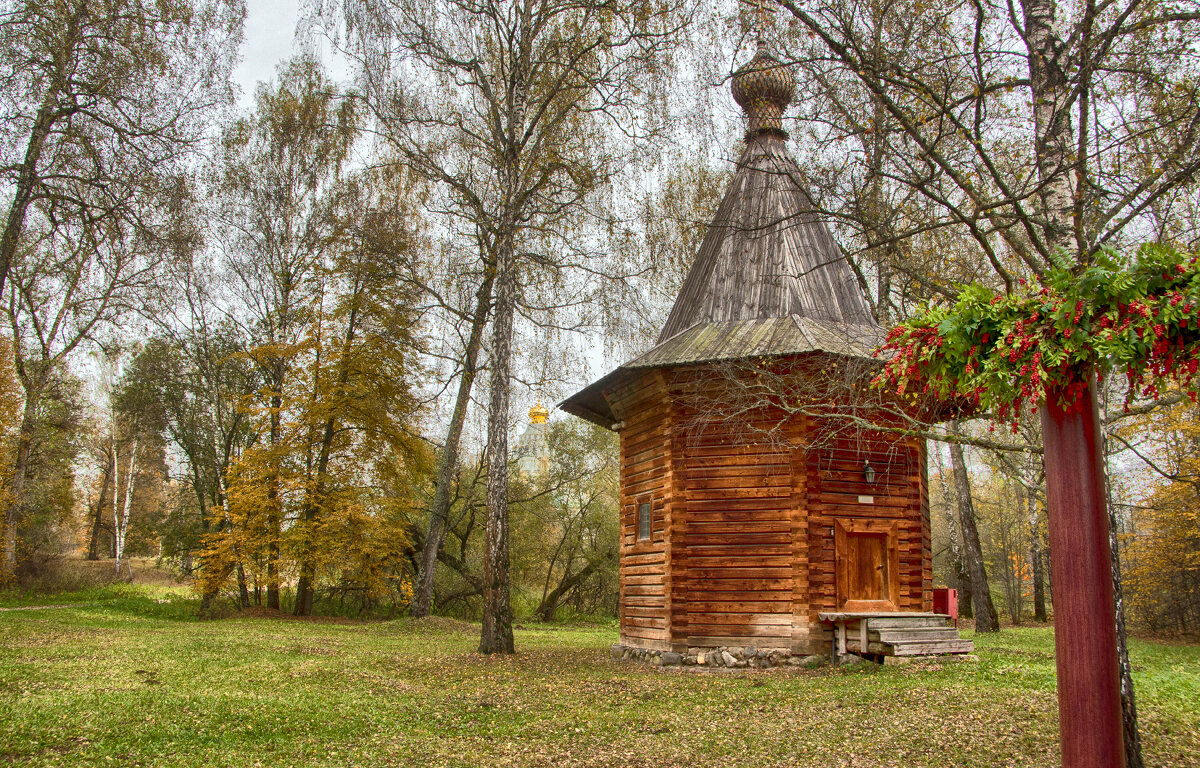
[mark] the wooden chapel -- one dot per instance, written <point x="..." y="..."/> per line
<point x="756" y="529"/>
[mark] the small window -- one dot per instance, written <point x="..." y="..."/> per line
<point x="644" y="520"/>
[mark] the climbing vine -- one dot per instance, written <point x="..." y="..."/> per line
<point x="1002" y="353"/>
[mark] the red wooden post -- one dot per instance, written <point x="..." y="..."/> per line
<point x="1085" y="635"/>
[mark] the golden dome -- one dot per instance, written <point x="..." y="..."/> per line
<point x="538" y="414"/>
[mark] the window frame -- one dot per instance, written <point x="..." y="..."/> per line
<point x="649" y="521"/>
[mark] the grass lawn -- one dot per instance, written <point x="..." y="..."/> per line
<point x="133" y="679"/>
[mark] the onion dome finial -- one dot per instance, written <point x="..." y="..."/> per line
<point x="764" y="87"/>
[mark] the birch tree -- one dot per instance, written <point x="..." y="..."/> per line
<point x="275" y="179"/>
<point x="97" y="97"/>
<point x="1040" y="131"/>
<point x="65" y="288"/>
<point x="508" y="107"/>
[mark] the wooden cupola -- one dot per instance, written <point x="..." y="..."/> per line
<point x="743" y="525"/>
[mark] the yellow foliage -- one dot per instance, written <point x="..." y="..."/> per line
<point x="1162" y="545"/>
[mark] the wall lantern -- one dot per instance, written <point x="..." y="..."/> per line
<point x="868" y="472"/>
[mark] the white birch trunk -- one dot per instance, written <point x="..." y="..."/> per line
<point x="117" y="546"/>
<point x="121" y="526"/>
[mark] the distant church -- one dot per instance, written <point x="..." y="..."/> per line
<point x="744" y="551"/>
<point x="533" y="446"/>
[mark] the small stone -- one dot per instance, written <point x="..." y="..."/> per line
<point x="812" y="661"/>
<point x="728" y="658"/>
<point x="671" y="659"/>
<point x="627" y="654"/>
<point x="616" y="651"/>
<point x="656" y="661"/>
<point x="793" y="661"/>
<point x="700" y="659"/>
<point x="850" y="660"/>
<point x="741" y="663"/>
<point x="751" y="652"/>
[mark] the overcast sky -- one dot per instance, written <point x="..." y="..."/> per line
<point x="270" y="32"/>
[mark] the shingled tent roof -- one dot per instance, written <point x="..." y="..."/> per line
<point x="769" y="279"/>
<point x="766" y="254"/>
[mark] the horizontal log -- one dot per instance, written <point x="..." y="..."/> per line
<point x="644" y="590"/>
<point x="739" y="606"/>
<point x="643" y="622"/>
<point x="712" y="641"/>
<point x="701" y="596"/>
<point x="723" y="494"/>
<point x="723" y="465"/>
<point x="739" y="585"/>
<point x="648" y="558"/>
<point x="739" y="572"/>
<point x="704" y="618"/>
<point x="643" y="570"/>
<point x="734" y="547"/>
<point x="641" y="580"/>
<point x="732" y="539"/>
<point x="751" y="633"/>
<point x="701" y="563"/>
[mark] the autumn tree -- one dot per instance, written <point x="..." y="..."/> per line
<point x="508" y="109"/>
<point x="1163" y="536"/>
<point x="99" y="99"/>
<point x="68" y="286"/>
<point x="567" y="522"/>
<point x="358" y="401"/>
<point x="47" y="500"/>
<point x="193" y="378"/>
<point x="274" y="179"/>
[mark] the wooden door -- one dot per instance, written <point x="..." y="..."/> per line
<point x="868" y="561"/>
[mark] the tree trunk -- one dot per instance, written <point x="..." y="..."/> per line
<point x="959" y="580"/>
<point x="1035" y="557"/>
<point x="497" y="635"/>
<point x="1054" y="143"/>
<point x="12" y="517"/>
<point x="545" y="611"/>
<point x="240" y="568"/>
<point x="27" y="176"/>
<point x="1129" y="716"/>
<point x="98" y="517"/>
<point x="981" y="596"/>
<point x="121" y="524"/>
<point x="448" y="461"/>
<point x="274" y="525"/>
<point x="306" y="586"/>
<point x="966" y="607"/>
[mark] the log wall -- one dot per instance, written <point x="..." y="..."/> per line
<point x="645" y="581"/>
<point x="742" y="523"/>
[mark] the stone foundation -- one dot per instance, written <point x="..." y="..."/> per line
<point x="725" y="656"/>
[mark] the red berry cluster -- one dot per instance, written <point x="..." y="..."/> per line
<point x="1005" y="353"/>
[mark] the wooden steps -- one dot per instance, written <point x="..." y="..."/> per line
<point x="894" y="634"/>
